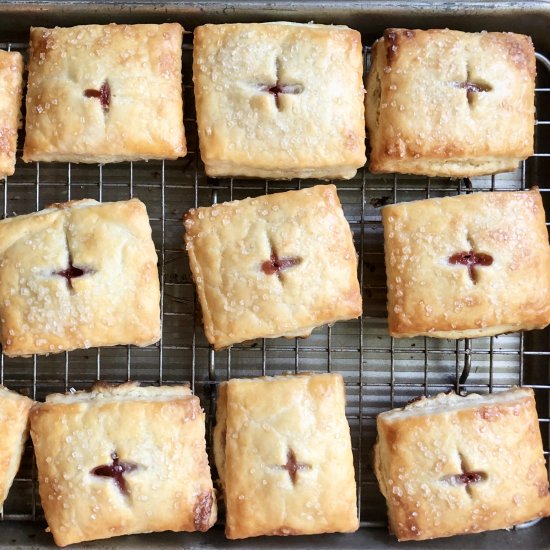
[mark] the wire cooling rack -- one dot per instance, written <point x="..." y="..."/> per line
<point x="379" y="372"/>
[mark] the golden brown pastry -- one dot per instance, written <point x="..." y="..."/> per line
<point x="270" y="266"/>
<point x="449" y="103"/>
<point x="122" y="460"/>
<point x="467" y="266"/>
<point x="453" y="465"/>
<point x="283" y="452"/>
<point x="279" y="100"/>
<point x="14" y="430"/>
<point x="77" y="275"/>
<point x="105" y="93"/>
<point x="11" y="89"/>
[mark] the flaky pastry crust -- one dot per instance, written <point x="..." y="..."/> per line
<point x="234" y="248"/>
<point x="453" y="465"/>
<point x="279" y="100"/>
<point x="283" y="453"/>
<point x="449" y="103"/>
<point x="105" y="93"/>
<point x="14" y="430"/>
<point x="431" y="289"/>
<point x="11" y="90"/>
<point x="157" y="433"/>
<point x="77" y="275"/>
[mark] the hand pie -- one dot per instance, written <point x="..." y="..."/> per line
<point x="452" y="465"/>
<point x="279" y="100"/>
<point x="450" y="103"/>
<point x="283" y="453"/>
<point x="122" y="460"/>
<point x="105" y="93"/>
<point x="467" y="266"/>
<point x="14" y="430"/>
<point x="276" y="265"/>
<point x="11" y="89"/>
<point x="77" y="275"/>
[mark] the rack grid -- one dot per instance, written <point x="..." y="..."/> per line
<point x="380" y="372"/>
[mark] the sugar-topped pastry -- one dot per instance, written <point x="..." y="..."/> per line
<point x="105" y="93"/>
<point x="467" y="266"/>
<point x="14" y="430"/>
<point x="275" y="265"/>
<point x="283" y="452"/>
<point x="279" y="100"/>
<point x="76" y="275"/>
<point x="122" y="459"/>
<point x="449" y="103"/>
<point x="453" y="465"/>
<point x="11" y="89"/>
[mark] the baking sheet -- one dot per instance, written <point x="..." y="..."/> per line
<point x="380" y="372"/>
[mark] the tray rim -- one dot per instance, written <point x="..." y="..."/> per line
<point x="172" y="8"/>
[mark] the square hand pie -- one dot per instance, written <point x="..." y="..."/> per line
<point x="76" y="275"/>
<point x="450" y="103"/>
<point x="11" y="89"/>
<point x="105" y="93"/>
<point x="122" y="460"/>
<point x="279" y="100"/>
<point x="276" y="265"/>
<point x="14" y="430"/>
<point x="467" y="266"/>
<point x="283" y="452"/>
<point x="453" y="465"/>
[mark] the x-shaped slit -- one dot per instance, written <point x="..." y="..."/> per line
<point x="467" y="477"/>
<point x="279" y="87"/>
<point x="71" y="271"/>
<point x="116" y="471"/>
<point x="471" y="260"/>
<point x="292" y="466"/>
<point x="103" y="95"/>
<point x="472" y="86"/>
<point x="276" y="265"/>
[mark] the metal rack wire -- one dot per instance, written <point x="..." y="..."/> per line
<point x="380" y="372"/>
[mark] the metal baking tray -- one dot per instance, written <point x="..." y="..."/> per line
<point x="380" y="372"/>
